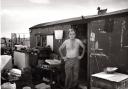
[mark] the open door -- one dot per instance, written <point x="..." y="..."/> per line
<point x="50" y="41"/>
<point x="81" y="33"/>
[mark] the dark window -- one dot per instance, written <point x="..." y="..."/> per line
<point x="41" y="40"/>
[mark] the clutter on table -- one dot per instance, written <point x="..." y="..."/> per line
<point x="43" y="86"/>
<point x="110" y="70"/>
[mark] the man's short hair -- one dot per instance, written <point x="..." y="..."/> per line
<point x="71" y="30"/>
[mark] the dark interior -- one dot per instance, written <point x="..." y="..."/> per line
<point x="81" y="33"/>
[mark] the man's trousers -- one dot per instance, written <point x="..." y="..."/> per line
<point x="71" y="71"/>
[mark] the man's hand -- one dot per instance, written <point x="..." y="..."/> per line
<point x="65" y="58"/>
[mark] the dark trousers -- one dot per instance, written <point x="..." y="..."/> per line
<point x="71" y="71"/>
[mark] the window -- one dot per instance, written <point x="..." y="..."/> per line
<point x="44" y="40"/>
<point x="41" y="40"/>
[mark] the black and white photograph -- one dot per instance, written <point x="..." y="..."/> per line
<point x="64" y="44"/>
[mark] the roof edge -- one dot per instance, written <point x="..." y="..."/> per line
<point x="78" y="18"/>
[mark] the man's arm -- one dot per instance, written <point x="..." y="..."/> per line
<point x="60" y="49"/>
<point x="83" y="51"/>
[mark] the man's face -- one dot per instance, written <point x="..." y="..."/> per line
<point x="72" y="35"/>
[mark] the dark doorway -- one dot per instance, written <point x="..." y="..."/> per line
<point x="81" y="33"/>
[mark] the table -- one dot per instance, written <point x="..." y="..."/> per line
<point x="110" y="81"/>
<point x="54" y="68"/>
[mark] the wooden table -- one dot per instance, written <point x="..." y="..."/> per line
<point x="109" y="81"/>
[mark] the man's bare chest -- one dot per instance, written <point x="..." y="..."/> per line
<point x="72" y="45"/>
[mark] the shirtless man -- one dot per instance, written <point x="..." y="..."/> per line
<point x="71" y="59"/>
